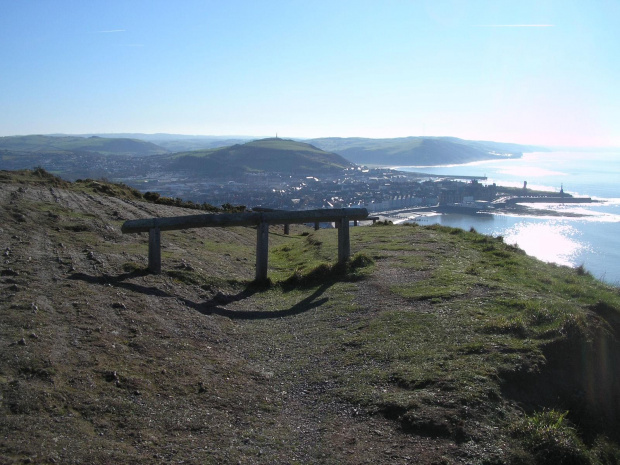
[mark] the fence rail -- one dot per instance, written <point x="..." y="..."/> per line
<point x="262" y="220"/>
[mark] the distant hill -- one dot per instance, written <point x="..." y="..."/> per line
<point x="199" y="143"/>
<point x="180" y="142"/>
<point x="74" y="156"/>
<point x="265" y="155"/>
<point x="401" y="151"/>
<point x="419" y="151"/>
<point x="66" y="144"/>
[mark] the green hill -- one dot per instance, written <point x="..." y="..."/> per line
<point x="179" y="142"/>
<point x="419" y="151"/>
<point x="266" y="155"/>
<point x="436" y="345"/>
<point x="68" y="144"/>
<point x="273" y="154"/>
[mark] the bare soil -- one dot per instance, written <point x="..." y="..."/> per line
<point x="104" y="363"/>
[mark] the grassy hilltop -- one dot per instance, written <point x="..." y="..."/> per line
<point x="420" y="151"/>
<point x="435" y="345"/>
<point x="34" y="144"/>
<point x="272" y="155"/>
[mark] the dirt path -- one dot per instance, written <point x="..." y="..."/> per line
<point x="72" y="329"/>
<point x="104" y="363"/>
<point x="84" y="331"/>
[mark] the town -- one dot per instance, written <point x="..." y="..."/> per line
<point x="372" y="188"/>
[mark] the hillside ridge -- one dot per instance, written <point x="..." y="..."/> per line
<point x="271" y="155"/>
<point x="421" y="151"/>
<point x="70" y="144"/>
<point x="445" y="345"/>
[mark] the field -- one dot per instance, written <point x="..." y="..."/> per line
<point x="435" y="345"/>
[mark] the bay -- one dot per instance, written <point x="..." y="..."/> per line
<point x="591" y="240"/>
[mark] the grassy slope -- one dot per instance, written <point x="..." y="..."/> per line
<point x="272" y="155"/>
<point x="104" y="146"/>
<point x="449" y="347"/>
<point x="418" y="151"/>
<point x="185" y="145"/>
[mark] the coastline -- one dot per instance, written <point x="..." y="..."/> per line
<point x="411" y="214"/>
<point x="576" y="234"/>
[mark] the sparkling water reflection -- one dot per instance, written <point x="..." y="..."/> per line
<point x="592" y="240"/>
<point x="551" y="242"/>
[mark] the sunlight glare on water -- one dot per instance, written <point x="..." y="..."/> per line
<point x="573" y="234"/>
<point x="551" y="242"/>
<point x="527" y="172"/>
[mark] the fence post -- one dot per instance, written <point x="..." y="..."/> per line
<point x="155" y="250"/>
<point x="344" y="242"/>
<point x="262" y="250"/>
<point x="154" y="226"/>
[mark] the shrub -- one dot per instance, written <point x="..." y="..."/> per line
<point x="311" y="240"/>
<point x="229" y="208"/>
<point x="550" y="438"/>
<point x="45" y="175"/>
<point x="360" y="260"/>
<point x="152" y="196"/>
<point x="581" y="270"/>
<point x="383" y="223"/>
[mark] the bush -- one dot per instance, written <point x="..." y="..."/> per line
<point x="383" y="223"/>
<point x="152" y="196"/>
<point x="45" y="175"/>
<point x="581" y="270"/>
<point x="551" y="439"/>
<point x="229" y="208"/>
<point x="360" y="260"/>
<point x="157" y="198"/>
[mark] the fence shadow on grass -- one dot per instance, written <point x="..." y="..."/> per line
<point x="310" y="302"/>
<point x="215" y="305"/>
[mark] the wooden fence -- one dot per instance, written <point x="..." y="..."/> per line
<point x="262" y="220"/>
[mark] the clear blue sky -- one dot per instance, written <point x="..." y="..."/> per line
<point x="540" y="72"/>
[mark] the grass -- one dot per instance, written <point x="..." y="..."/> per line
<point x="494" y="311"/>
<point x="301" y="254"/>
<point x="551" y="438"/>
<point x="275" y="155"/>
<point x="431" y="341"/>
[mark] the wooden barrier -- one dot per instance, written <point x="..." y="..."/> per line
<point x="260" y="219"/>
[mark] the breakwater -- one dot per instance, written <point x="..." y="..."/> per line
<point x="544" y="199"/>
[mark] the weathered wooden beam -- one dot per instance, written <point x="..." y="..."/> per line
<point x="262" y="251"/>
<point x="154" y="251"/>
<point x="192" y="221"/>
<point x="309" y="216"/>
<point x="242" y="219"/>
<point x="340" y="216"/>
<point x="344" y="242"/>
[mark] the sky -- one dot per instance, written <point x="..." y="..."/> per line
<point x="531" y="72"/>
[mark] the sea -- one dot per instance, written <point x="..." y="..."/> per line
<point x="591" y="240"/>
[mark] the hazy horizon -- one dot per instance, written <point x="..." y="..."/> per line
<point x="529" y="73"/>
<point x="171" y="136"/>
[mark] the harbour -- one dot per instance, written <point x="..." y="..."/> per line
<point x="581" y="229"/>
